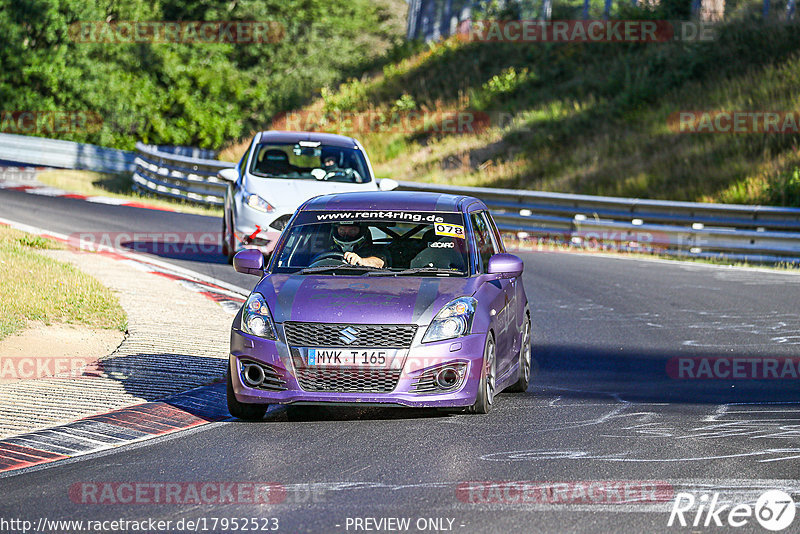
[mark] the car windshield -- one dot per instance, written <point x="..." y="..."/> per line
<point x="404" y="243"/>
<point x="310" y="161"/>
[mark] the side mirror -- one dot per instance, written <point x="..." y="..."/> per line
<point x="249" y="261"/>
<point x="387" y="184"/>
<point x="506" y="265"/>
<point x="229" y="175"/>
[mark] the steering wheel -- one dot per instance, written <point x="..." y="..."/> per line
<point x="331" y="258"/>
<point x="339" y="173"/>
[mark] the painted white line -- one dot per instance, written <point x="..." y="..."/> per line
<point x="47" y="191"/>
<point x="107" y="200"/>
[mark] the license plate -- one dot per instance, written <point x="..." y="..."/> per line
<point x="351" y="357"/>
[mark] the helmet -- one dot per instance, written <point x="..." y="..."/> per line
<point x="329" y="153"/>
<point x="354" y="236"/>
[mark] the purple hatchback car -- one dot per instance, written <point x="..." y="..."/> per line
<point x="384" y="298"/>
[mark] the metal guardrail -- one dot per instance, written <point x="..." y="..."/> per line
<point x="176" y="176"/>
<point x="41" y="151"/>
<point x="753" y="233"/>
<point x="527" y="218"/>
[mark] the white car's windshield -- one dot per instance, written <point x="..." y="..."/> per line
<point x="310" y="161"/>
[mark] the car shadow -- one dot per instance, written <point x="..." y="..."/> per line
<point x="189" y="250"/>
<point x="656" y="376"/>
<point x="195" y="383"/>
<point x="357" y="413"/>
<point x="158" y="376"/>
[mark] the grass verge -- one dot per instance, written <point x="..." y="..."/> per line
<point x="34" y="287"/>
<point x="116" y="186"/>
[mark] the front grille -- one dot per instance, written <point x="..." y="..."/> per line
<point x="345" y="380"/>
<point x="329" y="335"/>
<point x="255" y="241"/>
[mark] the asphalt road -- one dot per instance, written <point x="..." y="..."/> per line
<point x="606" y="407"/>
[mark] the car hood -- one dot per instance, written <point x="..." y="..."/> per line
<point x="360" y="299"/>
<point x="290" y="193"/>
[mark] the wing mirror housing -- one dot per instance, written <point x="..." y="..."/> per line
<point x="506" y="265"/>
<point x="387" y="184"/>
<point x="249" y="261"/>
<point x="228" y="175"/>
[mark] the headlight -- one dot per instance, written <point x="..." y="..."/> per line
<point x="256" y="318"/>
<point x="258" y="203"/>
<point x="454" y="320"/>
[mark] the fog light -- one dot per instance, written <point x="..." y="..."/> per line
<point x="447" y="378"/>
<point x="253" y="375"/>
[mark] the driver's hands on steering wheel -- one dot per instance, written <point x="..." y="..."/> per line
<point x="354" y="259"/>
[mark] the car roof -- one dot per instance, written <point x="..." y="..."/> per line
<point x="392" y="200"/>
<point x="275" y="136"/>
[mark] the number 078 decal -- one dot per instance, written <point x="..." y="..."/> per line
<point x="451" y="230"/>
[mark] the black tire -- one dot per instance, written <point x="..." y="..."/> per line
<point x="228" y="247"/>
<point x="241" y="410"/>
<point x="225" y="246"/>
<point x="525" y="360"/>
<point x="487" y="385"/>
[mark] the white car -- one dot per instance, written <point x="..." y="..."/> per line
<point x="281" y="170"/>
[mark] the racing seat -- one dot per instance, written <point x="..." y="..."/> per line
<point x="440" y="258"/>
<point x="274" y="161"/>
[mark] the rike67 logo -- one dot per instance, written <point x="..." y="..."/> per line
<point x="774" y="510"/>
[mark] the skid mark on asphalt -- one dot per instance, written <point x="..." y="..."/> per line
<point x="455" y="495"/>
<point x="774" y="455"/>
<point x="621" y="421"/>
<point x="752" y="424"/>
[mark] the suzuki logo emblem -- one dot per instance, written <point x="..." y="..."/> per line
<point x="348" y="335"/>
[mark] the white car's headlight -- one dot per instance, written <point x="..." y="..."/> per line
<point x="454" y="320"/>
<point x="258" y="203"/>
<point x="256" y="319"/>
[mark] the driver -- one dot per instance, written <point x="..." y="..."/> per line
<point x="355" y="241"/>
<point x="329" y="163"/>
<point x="329" y="159"/>
<point x="329" y="166"/>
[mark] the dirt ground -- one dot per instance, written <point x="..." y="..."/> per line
<point x="41" y="351"/>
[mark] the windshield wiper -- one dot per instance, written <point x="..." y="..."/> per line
<point x="334" y="268"/>
<point x="415" y="270"/>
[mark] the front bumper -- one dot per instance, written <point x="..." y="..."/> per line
<point x="467" y="349"/>
<point x="252" y="229"/>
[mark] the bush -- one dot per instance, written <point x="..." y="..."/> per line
<point x="197" y="94"/>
